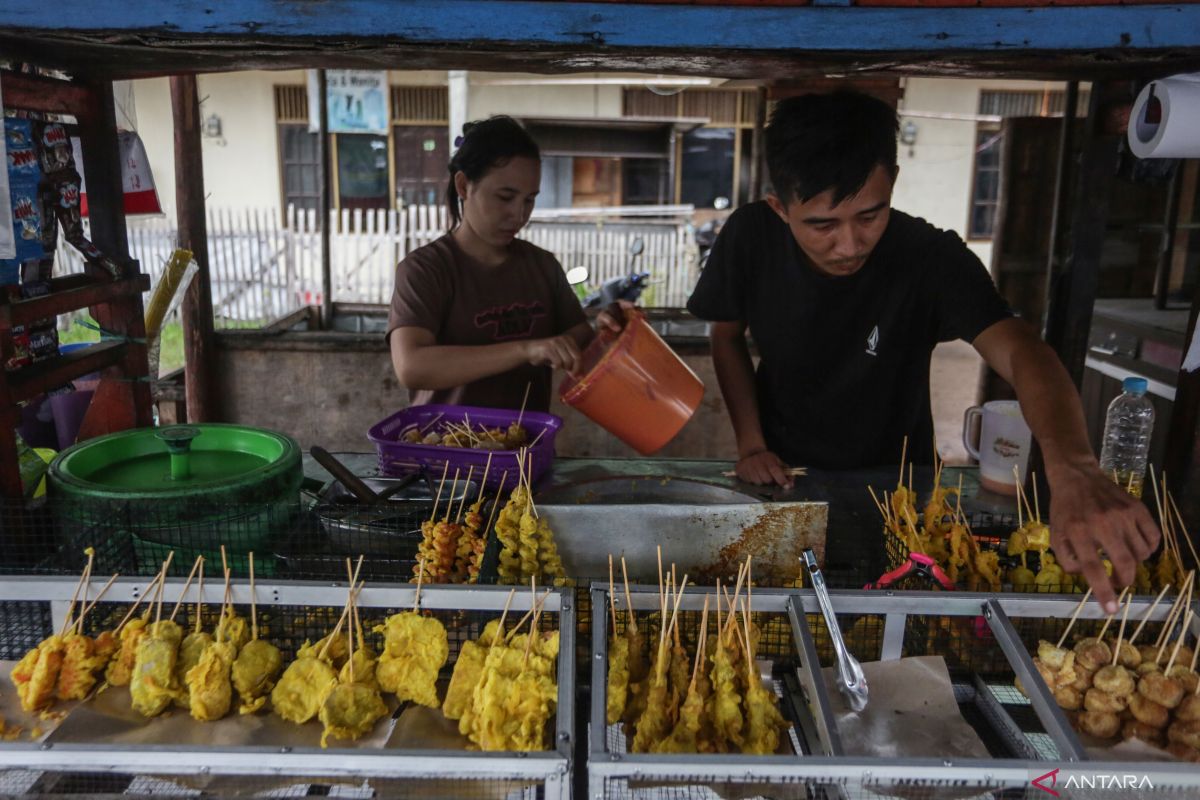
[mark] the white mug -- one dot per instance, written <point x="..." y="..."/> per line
<point x="1004" y="442"/>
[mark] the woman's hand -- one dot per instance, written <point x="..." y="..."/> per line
<point x="613" y="317"/>
<point x="559" y="352"/>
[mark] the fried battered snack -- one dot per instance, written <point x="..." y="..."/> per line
<point x="1101" y="701"/>
<point x="81" y="666"/>
<point x="1184" y="732"/>
<point x="1114" y="680"/>
<point x="254" y="673"/>
<point x="1148" y="712"/>
<point x="233" y="630"/>
<point x="1091" y="653"/>
<point x="618" y="678"/>
<point x="1135" y="729"/>
<point x="350" y="711"/>
<point x="415" y="648"/>
<point x="153" y="683"/>
<point x="120" y="668"/>
<point x="190" y="651"/>
<point x="301" y="691"/>
<point x="1101" y="724"/>
<point x="1156" y="686"/>
<point x="210" y="692"/>
<point x="36" y="674"/>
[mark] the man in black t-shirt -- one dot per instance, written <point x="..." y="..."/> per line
<point x="846" y="299"/>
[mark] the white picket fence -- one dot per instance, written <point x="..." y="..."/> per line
<point x="262" y="269"/>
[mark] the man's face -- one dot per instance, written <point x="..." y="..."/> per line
<point x="838" y="238"/>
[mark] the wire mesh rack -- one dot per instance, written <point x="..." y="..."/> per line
<point x="301" y="540"/>
<point x="985" y="640"/>
<point x="289" y="614"/>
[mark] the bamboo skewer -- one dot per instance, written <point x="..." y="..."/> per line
<point x="795" y="472"/>
<point x="199" y="594"/>
<point x="463" y="502"/>
<point x="158" y="595"/>
<point x="87" y="571"/>
<point x="1074" y="616"/>
<point x="632" y="618"/>
<point x="227" y="598"/>
<point x="701" y="646"/>
<point x="450" y="500"/>
<point x="420" y="580"/>
<point x="138" y="601"/>
<point x="533" y="611"/>
<point x="1183" y="530"/>
<point x="1176" y="611"/>
<point x="1017" y="481"/>
<point x="903" y="453"/>
<point x="187" y="585"/>
<point x="1037" y="508"/>
<point x="1121" y="630"/>
<point x="524" y="400"/>
<point x="538" y="438"/>
<point x="438" y="498"/>
<point x="431" y="423"/>
<point x="504" y="614"/>
<point x="612" y="597"/>
<point x="1149" y="611"/>
<point x="495" y="506"/>
<point x="103" y="591"/>
<point x="1183" y="631"/>
<point x="483" y="481"/>
<point x="254" y="600"/>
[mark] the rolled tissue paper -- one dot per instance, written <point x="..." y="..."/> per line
<point x="1165" y="122"/>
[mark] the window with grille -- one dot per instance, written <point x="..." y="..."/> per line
<point x="299" y="159"/>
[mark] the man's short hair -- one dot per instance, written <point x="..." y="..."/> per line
<point x="817" y="142"/>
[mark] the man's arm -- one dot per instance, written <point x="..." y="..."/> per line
<point x="735" y="374"/>
<point x="1088" y="511"/>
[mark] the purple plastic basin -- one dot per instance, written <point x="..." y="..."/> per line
<point x="398" y="457"/>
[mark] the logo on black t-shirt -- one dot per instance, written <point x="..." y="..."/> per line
<point x="873" y="341"/>
<point x="514" y="321"/>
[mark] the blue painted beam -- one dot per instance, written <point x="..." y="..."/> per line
<point x="584" y="26"/>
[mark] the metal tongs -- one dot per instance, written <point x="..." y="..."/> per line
<point x="851" y="681"/>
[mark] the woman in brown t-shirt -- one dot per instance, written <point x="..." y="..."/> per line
<point x="478" y="315"/>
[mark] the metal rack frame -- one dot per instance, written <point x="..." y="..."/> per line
<point x="853" y="776"/>
<point x="551" y="769"/>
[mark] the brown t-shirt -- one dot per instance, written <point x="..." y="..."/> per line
<point x="462" y="302"/>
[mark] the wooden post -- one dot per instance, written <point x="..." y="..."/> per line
<point x="325" y="203"/>
<point x="756" y="146"/>
<point x="1069" y="312"/>
<point x="122" y="399"/>
<point x="193" y="235"/>
<point x="1062" y="176"/>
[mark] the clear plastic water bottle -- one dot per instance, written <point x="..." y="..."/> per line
<point x="1127" y="430"/>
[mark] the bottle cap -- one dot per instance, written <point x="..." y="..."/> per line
<point x="1135" y="386"/>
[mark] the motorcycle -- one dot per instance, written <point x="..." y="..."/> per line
<point x="627" y="287"/>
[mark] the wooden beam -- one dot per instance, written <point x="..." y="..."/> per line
<point x="1062" y="196"/>
<point x="193" y="235"/>
<point x="69" y="293"/>
<point x="122" y="400"/>
<point x="757" y="164"/>
<point x="36" y="379"/>
<point x="46" y="95"/>
<point x="1181" y="461"/>
<point x="587" y="27"/>
<point x="1069" y="313"/>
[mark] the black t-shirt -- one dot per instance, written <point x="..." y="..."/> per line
<point x="843" y="374"/>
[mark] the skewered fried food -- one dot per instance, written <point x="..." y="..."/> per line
<point x="1187" y="678"/>
<point x="1128" y="656"/>
<point x="302" y="689"/>
<point x="80" y="666"/>
<point x="1098" y="700"/>
<point x="1101" y="724"/>
<point x="1134" y="729"/>
<point x="1083" y="679"/>
<point x="618" y="678"/>
<point x="415" y="648"/>
<point x="1181" y="732"/>
<point x="210" y="692"/>
<point x="1051" y="655"/>
<point x="1114" y="680"/>
<point x="334" y="646"/>
<point x="254" y="673"/>
<point x="1165" y="691"/>
<point x="1183" y="752"/>
<point x="36" y="675"/>
<point x="1148" y="712"/>
<point x="468" y="668"/>
<point x="350" y="711"/>
<point x="1068" y="698"/>
<point x="120" y="668"/>
<point x="233" y="629"/>
<point x="1189" y="709"/>
<point x="153" y="685"/>
<point x="190" y="650"/>
<point x="1091" y="653"/>
<point x="727" y="704"/>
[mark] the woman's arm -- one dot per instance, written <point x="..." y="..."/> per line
<point x="421" y="363"/>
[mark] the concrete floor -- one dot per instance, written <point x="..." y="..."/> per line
<point x="954" y="387"/>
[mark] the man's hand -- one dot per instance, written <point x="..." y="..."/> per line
<point x="612" y="318"/>
<point x="1089" y="513"/>
<point x="763" y="467"/>
<point x="559" y="352"/>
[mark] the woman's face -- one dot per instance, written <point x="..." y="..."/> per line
<point x="498" y="205"/>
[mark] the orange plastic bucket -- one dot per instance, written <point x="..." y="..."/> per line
<point x="634" y="386"/>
